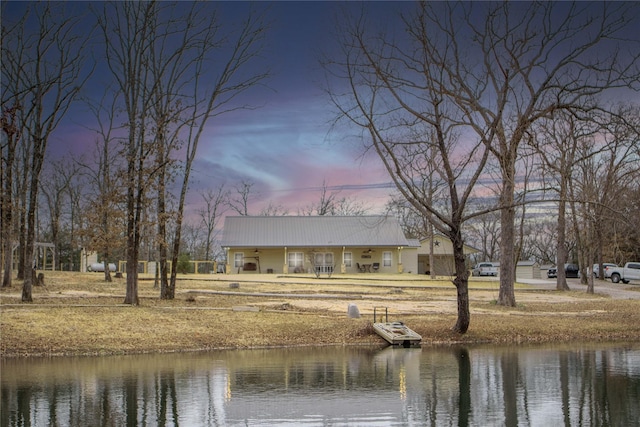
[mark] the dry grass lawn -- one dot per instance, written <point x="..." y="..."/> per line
<point x="80" y="314"/>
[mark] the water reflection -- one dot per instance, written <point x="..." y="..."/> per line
<point x="329" y="386"/>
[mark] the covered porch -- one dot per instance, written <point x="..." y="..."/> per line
<point x="325" y="260"/>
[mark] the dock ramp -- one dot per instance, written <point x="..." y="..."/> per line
<point x="395" y="333"/>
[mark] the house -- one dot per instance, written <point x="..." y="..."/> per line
<point x="443" y="263"/>
<point x="320" y="244"/>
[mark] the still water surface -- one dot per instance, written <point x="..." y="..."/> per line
<point x="330" y="386"/>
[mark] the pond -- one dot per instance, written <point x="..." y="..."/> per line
<point x="330" y="386"/>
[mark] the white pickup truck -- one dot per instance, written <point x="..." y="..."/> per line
<point x="485" y="269"/>
<point x="630" y="271"/>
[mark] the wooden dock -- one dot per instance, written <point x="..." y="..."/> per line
<point x="395" y="333"/>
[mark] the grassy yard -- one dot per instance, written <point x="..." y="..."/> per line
<point x="80" y="314"/>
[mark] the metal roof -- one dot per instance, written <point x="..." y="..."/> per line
<point x="322" y="231"/>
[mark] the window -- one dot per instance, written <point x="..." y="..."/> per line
<point x="348" y="259"/>
<point x="386" y="259"/>
<point x="238" y="259"/>
<point x="296" y="259"/>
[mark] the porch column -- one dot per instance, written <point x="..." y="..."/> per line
<point x="227" y="266"/>
<point x="343" y="267"/>
<point x="400" y="267"/>
<point x="285" y="267"/>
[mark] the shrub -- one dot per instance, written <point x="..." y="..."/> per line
<point x="184" y="264"/>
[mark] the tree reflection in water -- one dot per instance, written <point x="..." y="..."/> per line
<point x="330" y="385"/>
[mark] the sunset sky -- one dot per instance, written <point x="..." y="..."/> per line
<point x="285" y="147"/>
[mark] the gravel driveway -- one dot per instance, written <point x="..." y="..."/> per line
<point x="614" y="290"/>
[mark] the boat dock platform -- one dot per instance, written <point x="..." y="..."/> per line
<point x="395" y="333"/>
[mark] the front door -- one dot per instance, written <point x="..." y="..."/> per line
<point x="323" y="262"/>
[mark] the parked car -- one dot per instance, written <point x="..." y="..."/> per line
<point x="630" y="271"/>
<point x="605" y="266"/>
<point x="570" y="271"/>
<point x="99" y="267"/>
<point x="485" y="269"/>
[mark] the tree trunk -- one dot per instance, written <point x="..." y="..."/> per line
<point x="165" y="288"/>
<point x="107" y="272"/>
<point x="22" y="232"/>
<point x="590" y="281"/>
<point x="506" y="295"/>
<point x="131" y="296"/>
<point x="461" y="282"/>
<point x="7" y="208"/>
<point x="133" y="224"/>
<point x="27" y="283"/>
<point x="432" y="272"/>
<point x="561" y="248"/>
<point x="8" y="260"/>
<point x="27" y="286"/>
<point x="171" y="289"/>
<point x="105" y="227"/>
<point x="7" y="243"/>
<point x="33" y="185"/>
<point x="106" y="177"/>
<point x="165" y="291"/>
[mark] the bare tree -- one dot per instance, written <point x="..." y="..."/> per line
<point x="607" y="164"/>
<point x="534" y="59"/>
<point x="43" y="70"/>
<point x="409" y="218"/>
<point x="70" y="258"/>
<point x="274" y="210"/>
<point x="104" y="225"/>
<point x="484" y="233"/>
<point x="556" y="143"/>
<point x="414" y="224"/>
<point x="330" y="203"/>
<point x="509" y="65"/>
<point x="405" y="103"/>
<point x="480" y="73"/>
<point x="193" y="240"/>
<point x="614" y="171"/>
<point x="542" y="241"/>
<point x="127" y="30"/>
<point x="215" y="91"/>
<point x="585" y="160"/>
<point x="11" y="135"/>
<point x="239" y="201"/>
<point x="350" y="206"/>
<point x="210" y="215"/>
<point x="55" y="190"/>
<point x="326" y="205"/>
<point x="177" y="69"/>
<point x="527" y="167"/>
<point x="624" y="236"/>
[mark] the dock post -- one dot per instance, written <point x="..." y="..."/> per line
<point x="386" y="314"/>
